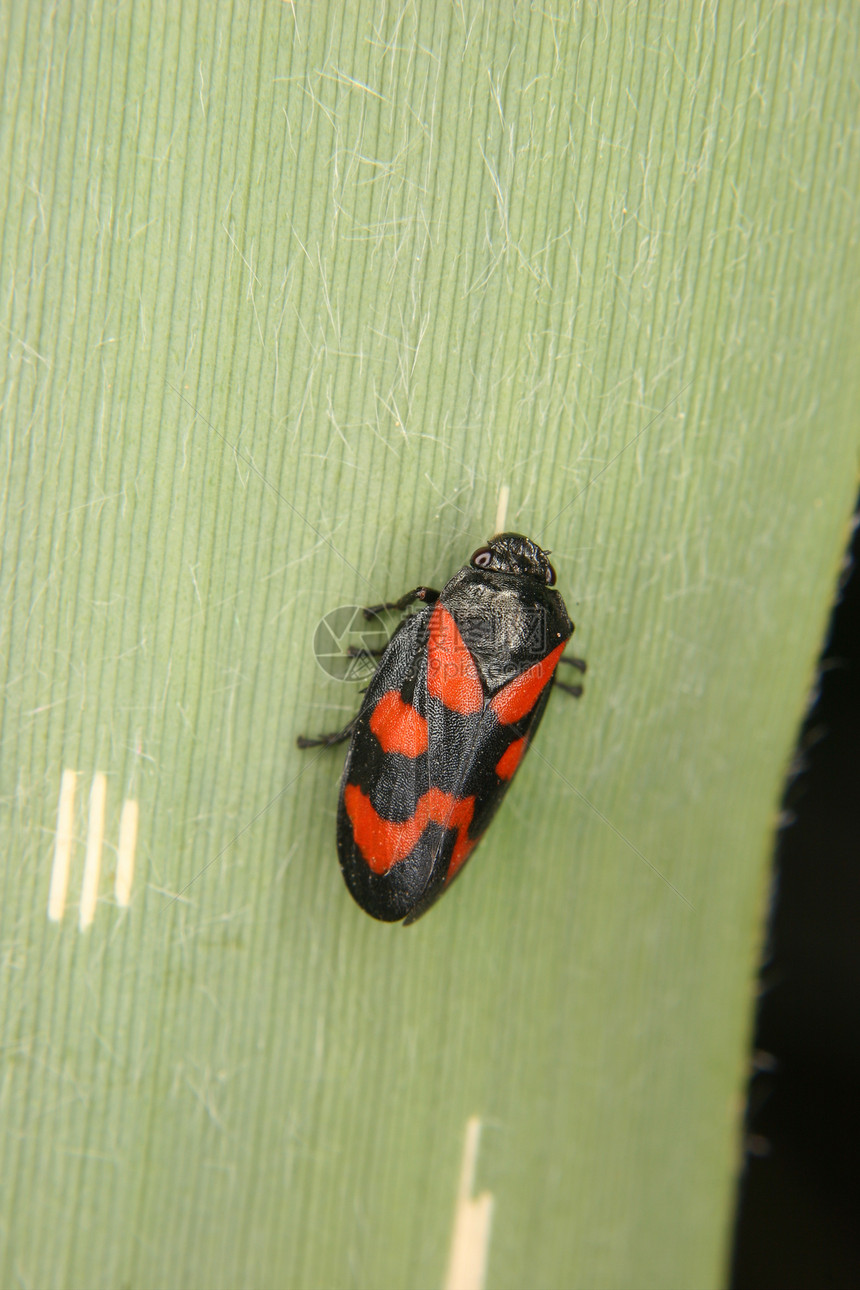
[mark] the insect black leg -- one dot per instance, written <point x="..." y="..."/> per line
<point x="575" y="690"/>
<point x="327" y="741"/>
<point x="580" y="665"/>
<point x="427" y="594"/>
<point x="358" y="651"/>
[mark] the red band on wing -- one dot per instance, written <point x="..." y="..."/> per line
<point x="398" y="727"/>
<point x="519" y="696"/>
<point x="383" y="842"/>
<point x="463" y="846"/>
<point x="451" y="672"/>
<point x="510" y="759"/>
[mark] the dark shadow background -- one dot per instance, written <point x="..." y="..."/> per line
<point x="799" y="1198"/>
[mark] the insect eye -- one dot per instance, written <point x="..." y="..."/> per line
<point x="550" y="576"/>
<point x="483" y="558"/>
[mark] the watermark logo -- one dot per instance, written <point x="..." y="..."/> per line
<point x="347" y="644"/>
<point x="493" y="633"/>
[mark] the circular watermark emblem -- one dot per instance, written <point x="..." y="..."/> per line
<point x="347" y="643"/>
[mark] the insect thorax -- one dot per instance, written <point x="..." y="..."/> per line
<point x="508" y="622"/>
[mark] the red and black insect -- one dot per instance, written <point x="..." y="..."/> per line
<point x="455" y="701"/>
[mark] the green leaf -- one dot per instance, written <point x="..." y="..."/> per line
<point x="289" y="295"/>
